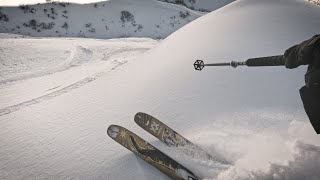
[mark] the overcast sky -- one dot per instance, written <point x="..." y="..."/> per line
<point x="19" y="2"/>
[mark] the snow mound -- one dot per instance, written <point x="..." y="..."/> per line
<point x="221" y="106"/>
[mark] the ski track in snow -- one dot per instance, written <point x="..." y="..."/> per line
<point x="78" y="57"/>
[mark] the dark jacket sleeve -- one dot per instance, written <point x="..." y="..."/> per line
<point x="311" y="100"/>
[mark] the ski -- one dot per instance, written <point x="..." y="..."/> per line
<point x="149" y="153"/>
<point x="171" y="138"/>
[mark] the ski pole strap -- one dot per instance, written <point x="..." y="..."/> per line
<point x="266" y="61"/>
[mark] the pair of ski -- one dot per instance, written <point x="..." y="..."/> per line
<point x="152" y="155"/>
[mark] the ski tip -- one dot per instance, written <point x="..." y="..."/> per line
<point x="138" y="117"/>
<point x="113" y="131"/>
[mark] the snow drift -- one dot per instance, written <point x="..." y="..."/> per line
<point x="246" y="114"/>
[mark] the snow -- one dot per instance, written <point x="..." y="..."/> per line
<point x="105" y="20"/>
<point x="253" y="117"/>
<point x="34" y="70"/>
<point x="201" y="5"/>
<point x="207" y="5"/>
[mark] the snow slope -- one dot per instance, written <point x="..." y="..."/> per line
<point x="108" y="19"/>
<point x="34" y="70"/>
<point x="201" y="5"/>
<point x="252" y="117"/>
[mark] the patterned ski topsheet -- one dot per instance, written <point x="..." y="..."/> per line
<point x="170" y="137"/>
<point x="149" y="153"/>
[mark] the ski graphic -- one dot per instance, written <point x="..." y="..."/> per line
<point x="171" y="138"/>
<point x="149" y="153"/>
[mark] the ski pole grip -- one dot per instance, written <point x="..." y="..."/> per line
<point x="266" y="61"/>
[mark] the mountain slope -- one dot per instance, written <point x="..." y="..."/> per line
<point x="252" y="117"/>
<point x="109" y="19"/>
<point x="201" y="5"/>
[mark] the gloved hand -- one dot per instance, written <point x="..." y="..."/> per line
<point x="307" y="52"/>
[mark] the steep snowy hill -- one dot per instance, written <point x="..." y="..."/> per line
<point x="253" y="117"/>
<point x="109" y="19"/>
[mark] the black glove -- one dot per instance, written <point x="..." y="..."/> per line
<point x="307" y="52"/>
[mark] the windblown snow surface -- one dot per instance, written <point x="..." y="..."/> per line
<point x="54" y="120"/>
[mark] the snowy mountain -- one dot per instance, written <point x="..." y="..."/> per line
<point x="317" y="2"/>
<point x="59" y="95"/>
<point x="201" y="5"/>
<point x="109" y="19"/>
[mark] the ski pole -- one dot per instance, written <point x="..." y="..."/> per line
<point x="261" y="61"/>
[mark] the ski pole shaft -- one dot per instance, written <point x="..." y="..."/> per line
<point x="252" y="62"/>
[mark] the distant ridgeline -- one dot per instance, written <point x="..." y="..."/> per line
<point x="109" y="19"/>
<point x="200" y="5"/>
<point x="317" y="2"/>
